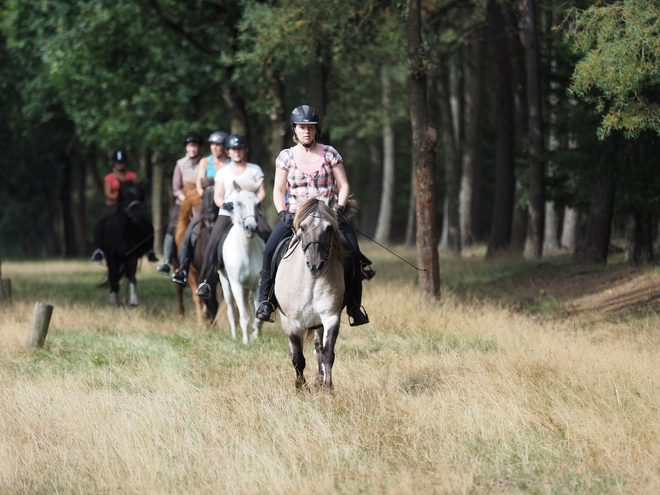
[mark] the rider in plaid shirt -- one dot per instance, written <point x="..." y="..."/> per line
<point x="311" y="170"/>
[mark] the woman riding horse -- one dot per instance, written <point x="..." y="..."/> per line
<point x="111" y="184"/>
<point x="312" y="170"/>
<point x="237" y="169"/>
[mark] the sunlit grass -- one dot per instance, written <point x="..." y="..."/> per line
<point x="463" y="396"/>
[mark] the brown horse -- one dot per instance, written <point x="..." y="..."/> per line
<point x="206" y="310"/>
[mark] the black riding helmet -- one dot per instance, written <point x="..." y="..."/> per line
<point x="218" y="137"/>
<point x="304" y="114"/>
<point x="119" y="156"/>
<point x="236" y="141"/>
<point x="193" y="137"/>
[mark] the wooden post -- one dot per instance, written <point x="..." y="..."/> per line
<point x="5" y="287"/>
<point x="5" y="290"/>
<point x="42" y="314"/>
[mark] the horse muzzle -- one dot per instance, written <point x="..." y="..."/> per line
<point x="134" y="210"/>
<point x="315" y="270"/>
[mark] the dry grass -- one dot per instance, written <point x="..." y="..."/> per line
<point x="457" y="398"/>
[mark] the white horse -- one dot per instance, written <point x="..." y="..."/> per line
<point x="242" y="254"/>
<point x="309" y="287"/>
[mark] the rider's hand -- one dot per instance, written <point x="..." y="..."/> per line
<point x="228" y="206"/>
<point x="285" y="218"/>
<point x="339" y="209"/>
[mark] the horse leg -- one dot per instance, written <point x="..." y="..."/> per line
<point x="327" y="358"/>
<point x="130" y="293"/>
<point x="229" y="299"/>
<point x="318" y="350"/>
<point x="253" y="303"/>
<point x="243" y="311"/>
<point x="113" y="281"/>
<point x="297" y="358"/>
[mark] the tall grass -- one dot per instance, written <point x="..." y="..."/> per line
<point x="461" y="397"/>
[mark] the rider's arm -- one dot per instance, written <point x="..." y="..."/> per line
<point x="107" y="190"/>
<point x="177" y="183"/>
<point x="201" y="173"/>
<point x="341" y="180"/>
<point x="279" y="189"/>
<point x="219" y="194"/>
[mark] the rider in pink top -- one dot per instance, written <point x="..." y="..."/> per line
<point x="111" y="184"/>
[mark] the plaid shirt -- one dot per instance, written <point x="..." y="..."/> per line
<point x="302" y="186"/>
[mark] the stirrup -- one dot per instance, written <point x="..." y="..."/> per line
<point x="98" y="255"/>
<point x="265" y="310"/>
<point x="204" y="291"/>
<point x="180" y="276"/>
<point x="357" y="317"/>
<point x="367" y="272"/>
<point x="164" y="268"/>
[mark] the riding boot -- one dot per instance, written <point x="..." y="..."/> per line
<point x="365" y="267"/>
<point x="267" y="297"/>
<point x="181" y="274"/>
<point x="357" y="315"/>
<point x="168" y="244"/>
<point x="151" y="256"/>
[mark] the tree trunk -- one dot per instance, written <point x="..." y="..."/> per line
<point x="387" y="192"/>
<point x="81" y="210"/>
<point x="368" y="217"/>
<point x="424" y="144"/>
<point x="569" y="229"/>
<point x="551" y="236"/>
<point x="639" y="250"/>
<point x="504" y="160"/>
<point x="536" y="221"/>
<point x="451" y="227"/>
<point x="411" y="226"/>
<point x="521" y="126"/>
<point x="474" y="74"/>
<point x="157" y="198"/>
<point x="68" y="224"/>
<point x="594" y="244"/>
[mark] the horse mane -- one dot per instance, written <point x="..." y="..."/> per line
<point x="192" y="202"/>
<point x="311" y="206"/>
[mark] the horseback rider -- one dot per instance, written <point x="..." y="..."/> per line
<point x="238" y="167"/>
<point x="185" y="174"/>
<point x="111" y="184"/>
<point x="311" y="169"/>
<point x="208" y="166"/>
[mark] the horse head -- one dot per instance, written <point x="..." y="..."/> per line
<point x="209" y="208"/>
<point x="317" y="229"/>
<point x="246" y="206"/>
<point x="130" y="199"/>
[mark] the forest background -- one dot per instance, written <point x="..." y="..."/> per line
<point x="528" y="126"/>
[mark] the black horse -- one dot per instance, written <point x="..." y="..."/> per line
<point x="127" y="236"/>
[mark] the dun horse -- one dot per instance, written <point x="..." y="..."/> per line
<point x="242" y="254"/>
<point x="124" y="241"/>
<point x="309" y="287"/>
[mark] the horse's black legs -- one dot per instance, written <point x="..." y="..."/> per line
<point x="327" y="359"/>
<point x="297" y="358"/>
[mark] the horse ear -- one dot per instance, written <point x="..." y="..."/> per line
<point x="237" y="186"/>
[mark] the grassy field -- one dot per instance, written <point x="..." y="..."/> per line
<point x="517" y="381"/>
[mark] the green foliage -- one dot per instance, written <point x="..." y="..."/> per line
<point x="620" y="65"/>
